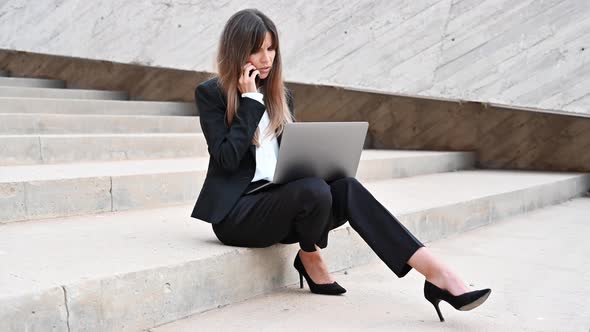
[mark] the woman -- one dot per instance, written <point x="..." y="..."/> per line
<point x="243" y="112"/>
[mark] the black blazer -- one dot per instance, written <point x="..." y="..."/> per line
<point x="232" y="156"/>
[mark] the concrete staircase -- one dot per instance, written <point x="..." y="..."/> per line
<point x="118" y="179"/>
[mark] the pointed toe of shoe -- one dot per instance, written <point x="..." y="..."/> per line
<point x="478" y="298"/>
<point x="338" y="289"/>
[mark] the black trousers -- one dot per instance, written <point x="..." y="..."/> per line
<point x="306" y="210"/>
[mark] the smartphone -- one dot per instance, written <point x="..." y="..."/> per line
<point x="257" y="78"/>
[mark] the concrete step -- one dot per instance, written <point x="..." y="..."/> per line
<point x="80" y="106"/>
<point x="539" y="297"/>
<point x="22" y="92"/>
<point x="31" y="82"/>
<point x="43" y="124"/>
<point x="45" y="191"/>
<point x="168" y="266"/>
<point x="51" y="149"/>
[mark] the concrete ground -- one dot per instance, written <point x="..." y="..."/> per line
<point x="537" y="264"/>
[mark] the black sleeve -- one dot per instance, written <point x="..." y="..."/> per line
<point x="227" y="146"/>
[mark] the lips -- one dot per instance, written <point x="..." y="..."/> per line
<point x="265" y="69"/>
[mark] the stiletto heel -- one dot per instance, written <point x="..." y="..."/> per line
<point x="440" y="316"/>
<point x="326" y="289"/>
<point x="463" y="302"/>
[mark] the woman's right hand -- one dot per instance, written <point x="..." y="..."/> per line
<point x="247" y="81"/>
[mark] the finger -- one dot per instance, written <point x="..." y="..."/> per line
<point x="254" y="73"/>
<point x="247" y="69"/>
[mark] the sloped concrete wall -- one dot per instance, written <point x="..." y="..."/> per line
<point x="523" y="53"/>
<point x="140" y="82"/>
<point x="502" y="137"/>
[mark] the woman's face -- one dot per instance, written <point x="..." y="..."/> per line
<point x="263" y="58"/>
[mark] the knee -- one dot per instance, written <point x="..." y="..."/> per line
<point x="315" y="190"/>
<point x="346" y="186"/>
<point x="346" y="182"/>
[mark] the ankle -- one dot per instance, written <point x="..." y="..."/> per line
<point x="450" y="282"/>
<point x="438" y="276"/>
<point x="441" y="279"/>
<point x="310" y="255"/>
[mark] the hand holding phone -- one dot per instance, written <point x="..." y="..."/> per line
<point x="256" y="78"/>
<point x="248" y="80"/>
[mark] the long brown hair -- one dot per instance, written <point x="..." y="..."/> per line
<point x="243" y="35"/>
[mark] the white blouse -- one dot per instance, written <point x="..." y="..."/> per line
<point x="268" y="151"/>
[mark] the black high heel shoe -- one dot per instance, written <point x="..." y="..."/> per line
<point x="326" y="289"/>
<point x="463" y="302"/>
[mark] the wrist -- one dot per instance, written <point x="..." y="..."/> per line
<point x="254" y="95"/>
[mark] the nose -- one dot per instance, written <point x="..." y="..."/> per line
<point x="267" y="59"/>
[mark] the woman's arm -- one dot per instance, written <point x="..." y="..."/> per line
<point x="227" y="146"/>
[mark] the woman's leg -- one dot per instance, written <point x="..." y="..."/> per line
<point x="436" y="272"/>
<point x="298" y="211"/>
<point x="300" y="207"/>
<point x="315" y="266"/>
<point x="390" y="240"/>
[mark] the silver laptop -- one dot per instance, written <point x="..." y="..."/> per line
<point x="329" y="150"/>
